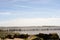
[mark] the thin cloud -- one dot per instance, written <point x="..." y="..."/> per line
<point x="19" y="0"/>
<point x="34" y="1"/>
<point x="41" y="1"/>
<point x="8" y="13"/>
<point x="22" y="6"/>
<point x="5" y="13"/>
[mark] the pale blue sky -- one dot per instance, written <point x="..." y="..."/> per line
<point x="12" y="9"/>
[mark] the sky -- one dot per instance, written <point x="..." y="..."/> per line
<point x="16" y="12"/>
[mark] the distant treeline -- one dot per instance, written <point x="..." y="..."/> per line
<point x="47" y="29"/>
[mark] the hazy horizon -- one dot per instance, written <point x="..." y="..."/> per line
<point x="32" y="22"/>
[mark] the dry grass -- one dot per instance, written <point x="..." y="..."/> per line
<point x="18" y="39"/>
